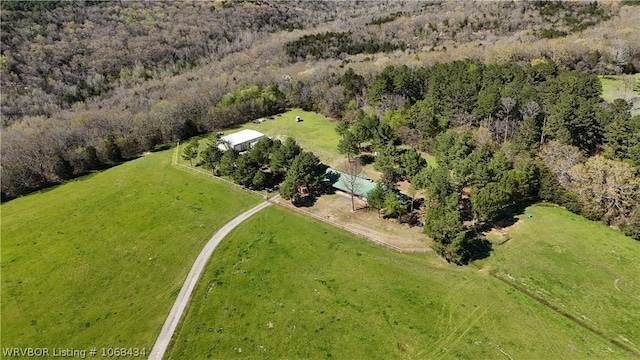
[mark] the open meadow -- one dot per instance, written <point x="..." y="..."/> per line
<point x="584" y="269"/>
<point x="622" y="87"/>
<point x="98" y="262"/>
<point x="284" y="286"/>
<point x="314" y="133"/>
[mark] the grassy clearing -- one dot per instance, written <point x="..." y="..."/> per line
<point x="621" y="87"/>
<point x="314" y="133"/>
<point x="586" y="269"/>
<point x="284" y="286"/>
<point x="431" y="160"/>
<point x="99" y="261"/>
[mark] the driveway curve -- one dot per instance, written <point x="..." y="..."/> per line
<point x="180" y="305"/>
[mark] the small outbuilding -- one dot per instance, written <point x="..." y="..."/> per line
<point x="240" y="141"/>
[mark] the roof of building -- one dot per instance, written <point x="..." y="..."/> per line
<point x="340" y="181"/>
<point x="242" y="136"/>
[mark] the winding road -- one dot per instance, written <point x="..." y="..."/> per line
<point x="180" y="305"/>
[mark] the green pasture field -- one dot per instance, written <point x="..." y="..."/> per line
<point x="99" y="261"/>
<point x="314" y="133"/>
<point x="285" y="286"/>
<point x="582" y="268"/>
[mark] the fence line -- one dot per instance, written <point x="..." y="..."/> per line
<point x="310" y="214"/>
<point x="206" y="173"/>
<point x="356" y="232"/>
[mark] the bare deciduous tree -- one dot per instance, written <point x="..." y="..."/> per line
<point x="353" y="169"/>
<point x="531" y="110"/>
<point x="608" y="187"/>
<point x="560" y="158"/>
<point x="507" y="119"/>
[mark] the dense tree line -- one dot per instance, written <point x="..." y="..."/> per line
<point x="573" y="21"/>
<point x="332" y="45"/>
<point x="524" y="106"/>
<point x="245" y="103"/>
<point x="385" y="19"/>
<point x="43" y="151"/>
<point x="504" y="136"/>
<point x="268" y="164"/>
<point x="478" y="182"/>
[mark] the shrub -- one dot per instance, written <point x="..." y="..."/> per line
<point x="632" y="227"/>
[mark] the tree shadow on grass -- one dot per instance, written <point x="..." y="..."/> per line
<point x="306" y="201"/>
<point x="366" y="159"/>
<point x="509" y="218"/>
<point x="479" y="248"/>
<point x="162" y="147"/>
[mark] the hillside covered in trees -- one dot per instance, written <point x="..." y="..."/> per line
<point x="56" y="54"/>
<point x="504" y="94"/>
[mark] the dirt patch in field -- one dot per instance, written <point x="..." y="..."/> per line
<point x="500" y="233"/>
<point x="337" y="208"/>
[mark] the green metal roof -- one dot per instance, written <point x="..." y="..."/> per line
<point x="340" y="181"/>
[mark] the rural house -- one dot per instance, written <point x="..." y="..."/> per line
<point x="341" y="181"/>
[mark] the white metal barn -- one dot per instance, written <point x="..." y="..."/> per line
<point x="240" y="141"/>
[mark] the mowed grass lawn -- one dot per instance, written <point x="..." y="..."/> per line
<point x="284" y="286"/>
<point x="98" y="262"/>
<point x="586" y="269"/>
<point x="314" y="133"/>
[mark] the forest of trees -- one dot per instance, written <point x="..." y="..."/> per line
<point x="504" y="136"/>
<point x="57" y="54"/>
<point x="89" y="84"/>
<point x="332" y="45"/>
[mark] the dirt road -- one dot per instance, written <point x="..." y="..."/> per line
<point x="179" y="306"/>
